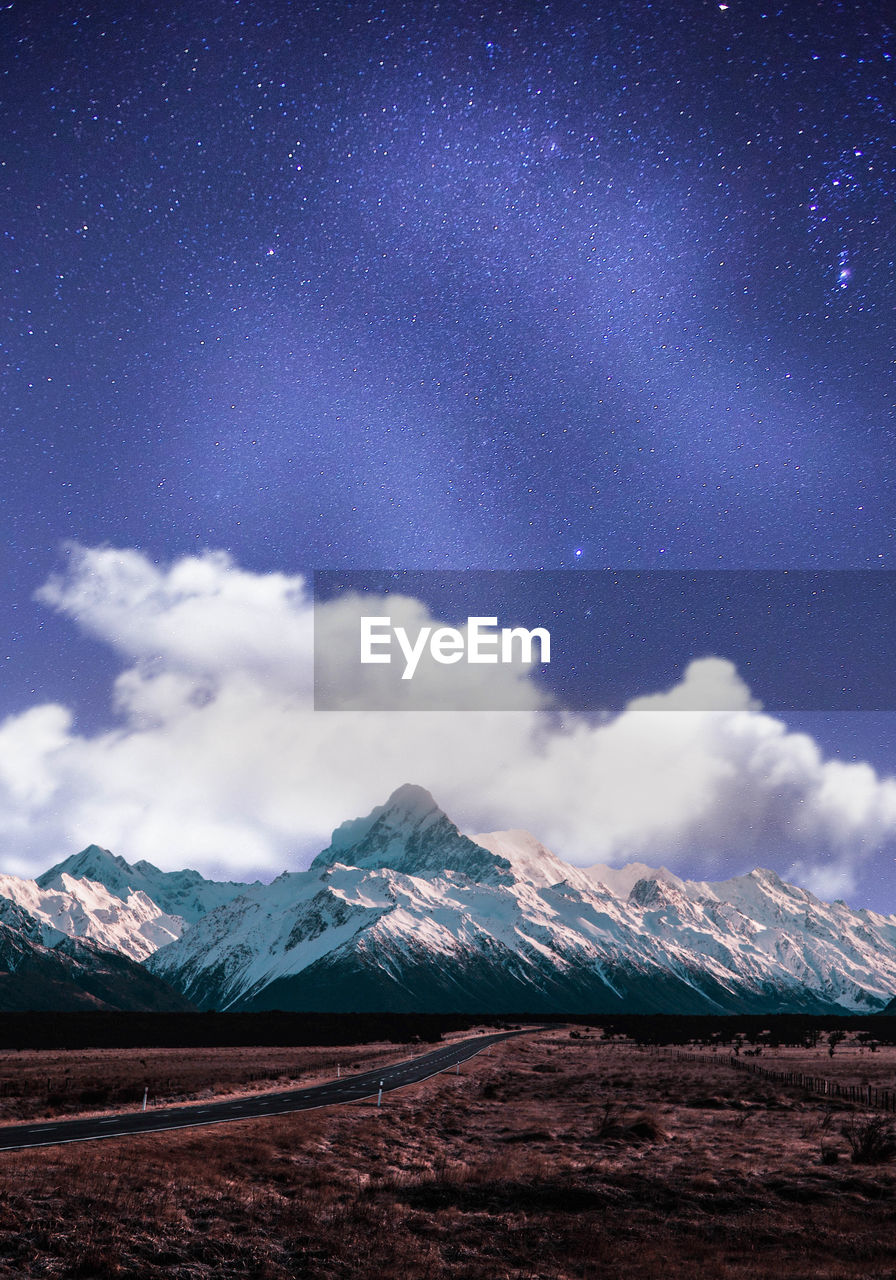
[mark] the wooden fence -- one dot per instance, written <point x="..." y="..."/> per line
<point x="865" y="1095"/>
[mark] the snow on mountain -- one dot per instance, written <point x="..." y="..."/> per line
<point x="16" y="919"/>
<point x="186" y="894"/>
<point x="409" y="833"/>
<point x="847" y="954"/>
<point x="403" y="912"/>
<point x="43" y="969"/>
<point x="354" y="937"/>
<point x="531" y="861"/>
<point x="133" y="926"/>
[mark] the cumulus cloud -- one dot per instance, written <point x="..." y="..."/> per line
<point x="202" y="616"/>
<point x="216" y="759"/>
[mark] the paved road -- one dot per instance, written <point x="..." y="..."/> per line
<point x="347" y="1089"/>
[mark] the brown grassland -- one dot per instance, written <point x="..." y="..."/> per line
<point x="552" y="1156"/>
<point x="37" y="1084"/>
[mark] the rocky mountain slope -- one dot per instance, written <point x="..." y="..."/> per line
<point x="134" y="926"/>
<point x="44" y="969"/>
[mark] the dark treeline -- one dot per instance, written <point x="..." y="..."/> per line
<point x="112" y="1030"/>
<point x="115" y="1030"/>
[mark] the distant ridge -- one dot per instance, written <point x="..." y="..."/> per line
<point x="179" y="893"/>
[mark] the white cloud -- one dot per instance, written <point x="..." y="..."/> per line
<point x="202" y="616"/>
<point x="709" y="684"/>
<point x="836" y="880"/>
<point x="30" y="745"/>
<point x="218" y="761"/>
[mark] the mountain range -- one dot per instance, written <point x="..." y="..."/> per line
<point x="403" y="912"/>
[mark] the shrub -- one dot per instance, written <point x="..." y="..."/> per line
<point x="872" y="1139"/>
<point x="614" y="1126"/>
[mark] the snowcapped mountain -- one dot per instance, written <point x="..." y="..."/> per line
<point x="109" y="905"/>
<point x="134" y="926"/>
<point x="186" y="894"/>
<point x="410" y="834"/>
<point x="41" y="968"/>
<point x="401" y="911"/>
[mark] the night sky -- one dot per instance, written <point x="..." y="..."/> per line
<point x="393" y="286"/>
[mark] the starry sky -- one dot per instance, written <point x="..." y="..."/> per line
<point x="555" y="285"/>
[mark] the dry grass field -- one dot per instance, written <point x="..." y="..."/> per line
<point x="851" y="1062"/>
<point x="550" y="1157"/>
<point x="41" y="1084"/>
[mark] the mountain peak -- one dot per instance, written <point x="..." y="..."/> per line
<point x="412" y="799"/>
<point x="186" y="894"/>
<point x="412" y="835"/>
<point x="93" y="863"/>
